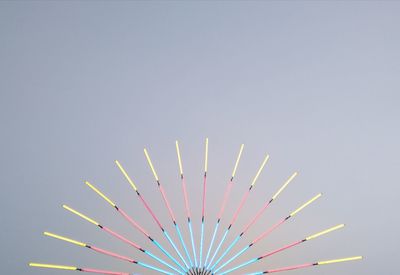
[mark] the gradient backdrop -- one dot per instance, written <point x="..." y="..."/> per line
<point x="314" y="84"/>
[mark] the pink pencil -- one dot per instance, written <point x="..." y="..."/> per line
<point x="74" y="268"/>
<point x="267" y="232"/>
<point x="105" y="252"/>
<point x="241" y="204"/>
<point x="255" y="218"/>
<point x="130" y="181"/>
<point x="227" y="192"/>
<point x="132" y="222"/>
<point x="118" y="236"/>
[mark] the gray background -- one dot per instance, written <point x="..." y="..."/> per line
<point x="314" y="84"/>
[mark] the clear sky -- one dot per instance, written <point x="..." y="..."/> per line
<point x="313" y="84"/>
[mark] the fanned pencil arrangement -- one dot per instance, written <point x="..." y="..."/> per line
<point x="191" y="260"/>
